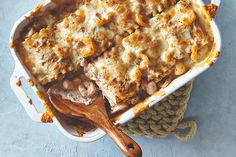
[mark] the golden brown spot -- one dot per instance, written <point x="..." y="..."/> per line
<point x="18" y="83"/>
<point x="117" y="118"/>
<point x="40" y="95"/>
<point x="56" y="67"/>
<point x="69" y="40"/>
<point x="191" y="17"/>
<point x="30" y="101"/>
<point x="80" y="132"/>
<point x="120" y="9"/>
<point x="179" y="69"/>
<point x="81" y="17"/>
<point x="139" y="108"/>
<point x="159" y="94"/>
<point x="128" y="15"/>
<point x="89" y="48"/>
<point x="101" y="35"/>
<point x="47" y="115"/>
<point x="110" y="16"/>
<point x="218" y="55"/>
<point x="12" y="44"/>
<point x="172" y="2"/>
<point x="137" y="75"/>
<point x="171" y="13"/>
<point x="211" y="10"/>
<point x="165" y="3"/>
<point x="169" y="59"/>
<point x="31" y="82"/>
<point x="100" y="22"/>
<point x="211" y="64"/>
<point x="62" y="52"/>
<point x="139" y="20"/>
<point x="194" y="53"/>
<point x="144" y="61"/>
<point x="46" y="118"/>
<point x="36" y="11"/>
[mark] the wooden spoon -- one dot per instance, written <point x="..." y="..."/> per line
<point x="96" y="114"/>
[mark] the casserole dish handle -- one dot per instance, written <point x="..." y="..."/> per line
<point x="18" y="89"/>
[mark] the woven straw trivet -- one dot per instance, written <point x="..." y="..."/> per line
<point x="165" y="118"/>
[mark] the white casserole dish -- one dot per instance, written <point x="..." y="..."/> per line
<point x="21" y="72"/>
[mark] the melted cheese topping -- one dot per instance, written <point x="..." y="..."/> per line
<point x="125" y="46"/>
<point x="164" y="50"/>
<point x="94" y="27"/>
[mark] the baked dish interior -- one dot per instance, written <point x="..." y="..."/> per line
<point x="126" y="49"/>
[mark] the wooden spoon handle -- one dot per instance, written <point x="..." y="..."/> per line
<point x="96" y="115"/>
<point x="127" y="145"/>
<point x="100" y="119"/>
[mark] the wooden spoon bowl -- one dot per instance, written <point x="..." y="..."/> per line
<point x="96" y="115"/>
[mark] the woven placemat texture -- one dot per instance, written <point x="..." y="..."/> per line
<point x="165" y="118"/>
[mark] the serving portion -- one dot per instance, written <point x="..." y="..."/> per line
<point x="127" y="49"/>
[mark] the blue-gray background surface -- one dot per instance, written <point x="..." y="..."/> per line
<point x="212" y="105"/>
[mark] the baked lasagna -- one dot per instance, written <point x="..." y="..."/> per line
<point x="129" y="48"/>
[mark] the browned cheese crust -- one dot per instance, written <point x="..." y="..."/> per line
<point x="130" y="48"/>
